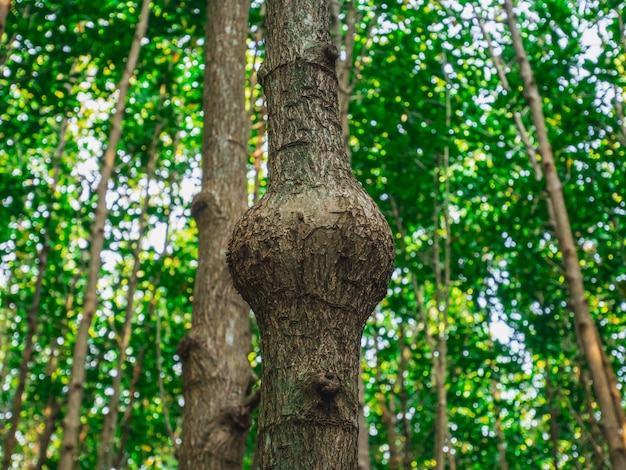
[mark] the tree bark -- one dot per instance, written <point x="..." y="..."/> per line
<point x="106" y="448"/>
<point x="442" y="295"/>
<point x="613" y="428"/>
<point x="90" y="300"/>
<point x="344" y="66"/>
<point x="216" y="373"/>
<point x="32" y="318"/>
<point x="313" y="257"/>
<point x="503" y="463"/>
<point x="27" y="354"/>
<point x="364" y="461"/>
<point x="5" y="7"/>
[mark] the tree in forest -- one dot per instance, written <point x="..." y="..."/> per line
<point x="217" y="378"/>
<point x="608" y="396"/>
<point x="313" y="257"/>
<point x="5" y="6"/>
<point x="76" y="388"/>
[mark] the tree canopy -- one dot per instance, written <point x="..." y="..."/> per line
<point x="441" y="137"/>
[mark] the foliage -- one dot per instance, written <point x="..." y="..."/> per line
<point x="426" y="83"/>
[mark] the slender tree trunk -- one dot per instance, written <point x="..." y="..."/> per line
<point x="614" y="430"/>
<point x="90" y="299"/>
<point x="5" y="7"/>
<point x="389" y="419"/>
<point x="106" y="448"/>
<point x="403" y="398"/>
<point x="345" y="44"/>
<point x="53" y="407"/>
<point x="138" y="369"/>
<point x="32" y="319"/>
<point x="313" y="257"/>
<point x="344" y="66"/>
<point x="5" y="340"/>
<point x="442" y="296"/>
<point x="217" y="377"/>
<point x="554" y="411"/>
<point x="364" y="461"/>
<point x="503" y="463"/>
<point x="51" y="413"/>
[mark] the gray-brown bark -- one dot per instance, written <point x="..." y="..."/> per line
<point x="346" y="42"/>
<point x="32" y="318"/>
<point x="612" y="424"/>
<point x="216" y="373"/>
<point x="90" y="301"/>
<point x="313" y="257"/>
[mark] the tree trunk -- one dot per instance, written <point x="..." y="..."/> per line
<point x="613" y="428"/>
<point x="5" y="7"/>
<point x="345" y="42"/>
<point x="54" y="404"/>
<point x="502" y="461"/>
<point x="106" y="448"/>
<point x="216" y="373"/>
<point x="364" y="461"/>
<point x="90" y="299"/>
<point x="442" y="295"/>
<point x="32" y="320"/>
<point x="313" y="257"/>
<point x="552" y="393"/>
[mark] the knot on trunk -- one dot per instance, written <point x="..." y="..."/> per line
<point x="206" y="205"/>
<point x="327" y="384"/>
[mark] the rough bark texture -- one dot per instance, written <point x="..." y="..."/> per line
<point x="345" y="42"/>
<point x="313" y="257"/>
<point x="90" y="300"/>
<point x="602" y="375"/>
<point x="216" y="372"/>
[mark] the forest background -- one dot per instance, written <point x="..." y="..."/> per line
<point x="442" y="139"/>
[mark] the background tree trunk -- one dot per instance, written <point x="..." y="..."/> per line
<point x="90" y="300"/>
<point x="313" y="257"/>
<point x="216" y="373"/>
<point x="106" y="447"/>
<point x="5" y="6"/>
<point x="27" y="354"/>
<point x="613" y="427"/>
<point x="344" y="65"/>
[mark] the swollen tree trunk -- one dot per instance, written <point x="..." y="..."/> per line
<point x="612" y="423"/>
<point x="216" y="374"/>
<point x="90" y="300"/>
<point x="313" y="257"/>
<point x="345" y="42"/>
